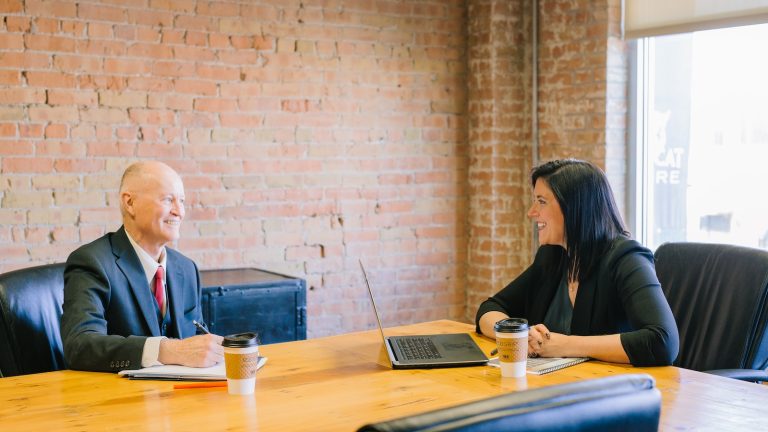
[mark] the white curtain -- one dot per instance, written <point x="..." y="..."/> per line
<point x="644" y="18"/>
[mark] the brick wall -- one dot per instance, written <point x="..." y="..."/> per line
<point x="583" y="86"/>
<point x="581" y="114"/>
<point x="308" y="134"/>
<point x="500" y="94"/>
<point x="616" y="106"/>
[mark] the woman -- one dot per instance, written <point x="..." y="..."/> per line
<point x="591" y="290"/>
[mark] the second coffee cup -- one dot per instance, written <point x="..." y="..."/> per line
<point x="512" y="342"/>
<point x="241" y="359"/>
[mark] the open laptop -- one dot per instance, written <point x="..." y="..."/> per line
<point x="427" y="351"/>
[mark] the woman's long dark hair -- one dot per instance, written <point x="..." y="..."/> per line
<point x="592" y="219"/>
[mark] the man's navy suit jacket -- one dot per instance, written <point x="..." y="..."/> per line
<point x="109" y="309"/>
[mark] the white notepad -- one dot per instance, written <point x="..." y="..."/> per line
<point x="182" y="373"/>
<point x="544" y="365"/>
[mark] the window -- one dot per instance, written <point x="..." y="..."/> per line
<point x="700" y="130"/>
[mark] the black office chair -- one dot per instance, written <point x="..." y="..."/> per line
<point x="623" y="403"/>
<point x="30" y="315"/>
<point x="719" y="297"/>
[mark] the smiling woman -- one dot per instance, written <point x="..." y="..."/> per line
<point x="547" y="215"/>
<point x="591" y="290"/>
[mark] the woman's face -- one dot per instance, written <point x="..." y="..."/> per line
<point x="547" y="214"/>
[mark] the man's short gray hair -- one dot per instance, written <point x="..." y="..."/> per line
<point x="133" y="172"/>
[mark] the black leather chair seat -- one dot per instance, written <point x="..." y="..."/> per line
<point x="623" y="403"/>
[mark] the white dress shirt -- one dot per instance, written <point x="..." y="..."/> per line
<point x="149" y="357"/>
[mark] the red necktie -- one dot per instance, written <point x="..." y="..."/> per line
<point x="159" y="291"/>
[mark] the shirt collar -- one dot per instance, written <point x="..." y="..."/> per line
<point x="148" y="264"/>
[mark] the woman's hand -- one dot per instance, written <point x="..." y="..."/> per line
<point x="542" y="342"/>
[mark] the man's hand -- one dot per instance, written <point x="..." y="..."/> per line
<point x="196" y="351"/>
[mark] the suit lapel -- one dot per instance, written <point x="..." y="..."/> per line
<point x="175" y="283"/>
<point x="549" y="263"/>
<point x="130" y="265"/>
<point x="588" y="299"/>
<point x="539" y="304"/>
<point x="581" y="321"/>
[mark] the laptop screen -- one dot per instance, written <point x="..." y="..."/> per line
<point x="383" y="354"/>
<point x="373" y="302"/>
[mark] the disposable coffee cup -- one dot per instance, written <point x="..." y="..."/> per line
<point x="512" y="343"/>
<point x="241" y="358"/>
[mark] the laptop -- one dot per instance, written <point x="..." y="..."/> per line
<point x="427" y="351"/>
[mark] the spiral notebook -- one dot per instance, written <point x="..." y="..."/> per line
<point x="545" y="365"/>
<point x="182" y="373"/>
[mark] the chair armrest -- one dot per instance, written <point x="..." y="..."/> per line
<point x="754" y="375"/>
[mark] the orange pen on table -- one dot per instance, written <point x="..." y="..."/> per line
<point x="206" y="384"/>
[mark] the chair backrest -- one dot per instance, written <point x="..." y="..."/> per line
<point x="30" y="316"/>
<point x="718" y="295"/>
<point x="622" y="403"/>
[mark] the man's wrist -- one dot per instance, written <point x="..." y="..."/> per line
<point x="167" y="351"/>
<point x="150" y="356"/>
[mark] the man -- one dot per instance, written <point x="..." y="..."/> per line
<point x="130" y="301"/>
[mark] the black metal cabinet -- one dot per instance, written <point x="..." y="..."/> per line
<point x="249" y="299"/>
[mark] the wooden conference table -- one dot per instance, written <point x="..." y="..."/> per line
<point x="335" y="383"/>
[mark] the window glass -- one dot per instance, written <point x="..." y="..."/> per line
<point x="703" y="137"/>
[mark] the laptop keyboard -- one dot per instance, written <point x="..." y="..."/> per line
<point x="417" y="348"/>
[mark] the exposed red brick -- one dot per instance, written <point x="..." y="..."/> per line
<point x="127" y="66"/>
<point x="16" y="148"/>
<point x="41" y="42"/>
<point x="25" y="131"/>
<point x="295" y="106"/>
<point x="101" y="47"/>
<point x="92" y="12"/>
<point x="10" y="77"/>
<point x="11" y="6"/>
<point x="14" y="96"/>
<point x="27" y="165"/>
<point x="49" y="79"/>
<point x="60" y="148"/>
<point x="10" y="41"/>
<point x="56" y="114"/>
<point x="79" y="165"/>
<point x="77" y="63"/>
<point x="97" y="30"/>
<point x="386" y="131"/>
<point x="53" y="8"/>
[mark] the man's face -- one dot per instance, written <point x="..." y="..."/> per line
<point x="157" y="208"/>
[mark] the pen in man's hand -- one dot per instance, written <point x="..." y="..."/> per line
<point x="200" y="326"/>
